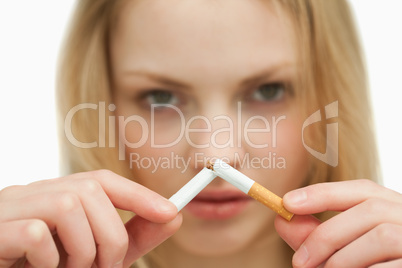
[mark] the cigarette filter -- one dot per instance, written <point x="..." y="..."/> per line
<point x="251" y="188"/>
<point x="192" y="188"/>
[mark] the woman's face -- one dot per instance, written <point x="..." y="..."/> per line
<point x="207" y="80"/>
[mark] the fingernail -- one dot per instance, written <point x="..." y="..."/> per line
<point x="165" y="206"/>
<point x="296" y="197"/>
<point x="300" y="258"/>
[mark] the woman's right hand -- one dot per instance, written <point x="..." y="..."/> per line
<point x="72" y="221"/>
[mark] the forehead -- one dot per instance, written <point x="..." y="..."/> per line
<point x="201" y="34"/>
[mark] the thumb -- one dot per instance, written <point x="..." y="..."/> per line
<point x="294" y="232"/>
<point x="145" y="235"/>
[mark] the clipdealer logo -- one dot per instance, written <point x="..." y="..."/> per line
<point x="330" y="156"/>
<point x="236" y="135"/>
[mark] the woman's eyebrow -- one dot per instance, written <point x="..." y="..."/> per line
<point x="159" y="78"/>
<point x="272" y="72"/>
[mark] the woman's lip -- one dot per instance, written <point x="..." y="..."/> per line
<point x="218" y="205"/>
<point x="220" y="195"/>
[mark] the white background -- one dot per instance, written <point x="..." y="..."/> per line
<point x="30" y="36"/>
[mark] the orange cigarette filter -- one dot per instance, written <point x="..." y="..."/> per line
<point x="269" y="199"/>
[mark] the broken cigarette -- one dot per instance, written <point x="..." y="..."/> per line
<point x="233" y="176"/>
<point x="250" y="187"/>
<point x="192" y="188"/>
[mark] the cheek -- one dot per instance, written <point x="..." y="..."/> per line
<point x="154" y="153"/>
<point x="157" y="131"/>
<point x="284" y="163"/>
<point x="290" y="145"/>
<point x="297" y="160"/>
<point x="282" y="136"/>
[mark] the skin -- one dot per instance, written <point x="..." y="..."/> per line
<point x="142" y="50"/>
<point x="366" y="234"/>
<point x="72" y="221"/>
<point x="69" y="206"/>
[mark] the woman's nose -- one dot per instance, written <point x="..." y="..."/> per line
<point x="214" y="136"/>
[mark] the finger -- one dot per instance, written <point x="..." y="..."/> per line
<point x="128" y="195"/>
<point x="122" y="192"/>
<point x="344" y="228"/>
<point x="10" y="192"/>
<point x="380" y="244"/>
<point x="145" y="235"/>
<point x="297" y="230"/>
<point x="107" y="227"/>
<point x="335" y="196"/>
<point x="27" y="238"/>
<point x="80" y="220"/>
<point x="94" y="190"/>
<point x="388" y="264"/>
<point x="62" y="213"/>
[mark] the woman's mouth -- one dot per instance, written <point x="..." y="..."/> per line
<point x="218" y="204"/>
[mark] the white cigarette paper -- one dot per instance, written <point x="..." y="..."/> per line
<point x="192" y="188"/>
<point x="233" y="176"/>
<point x="251" y="188"/>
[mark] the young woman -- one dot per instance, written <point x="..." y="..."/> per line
<point x="151" y="90"/>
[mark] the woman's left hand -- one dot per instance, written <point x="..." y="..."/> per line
<point x="367" y="233"/>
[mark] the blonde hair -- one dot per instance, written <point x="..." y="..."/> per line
<point x="83" y="77"/>
<point x="329" y="46"/>
<point x="331" y="64"/>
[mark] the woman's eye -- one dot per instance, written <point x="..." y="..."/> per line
<point x="160" y="97"/>
<point x="269" y="92"/>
